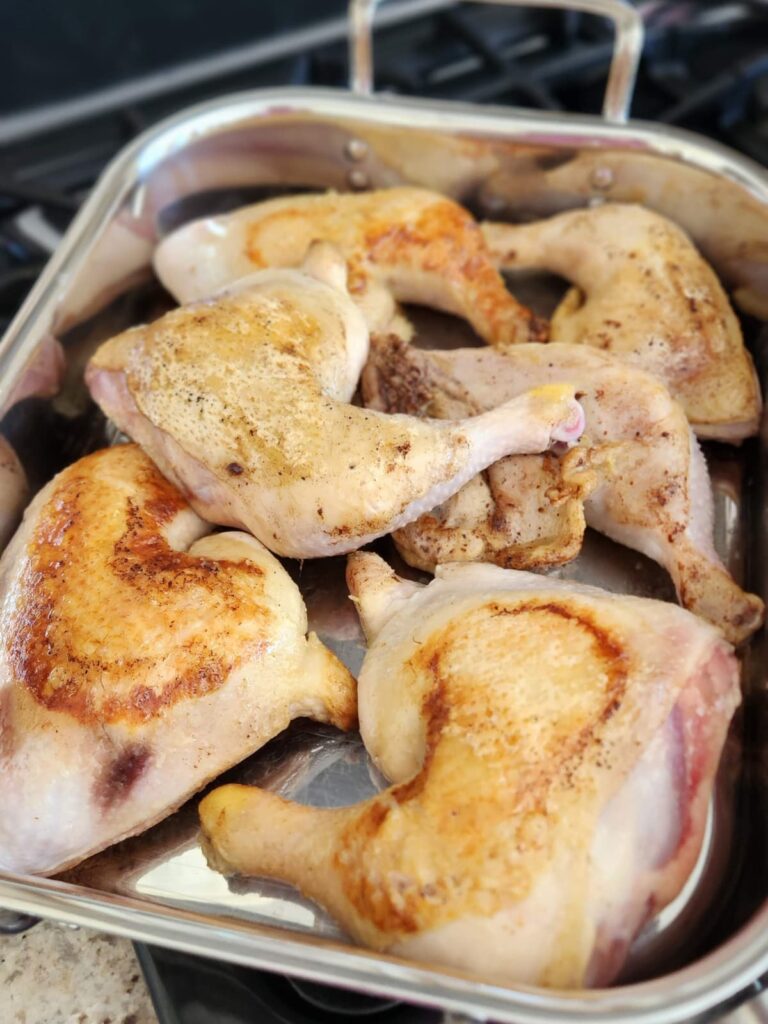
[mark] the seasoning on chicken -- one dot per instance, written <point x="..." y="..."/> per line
<point x="639" y="473"/>
<point x="400" y="244"/>
<point x="140" y="658"/>
<point x="552" y="749"/>
<point x="645" y="294"/>
<point x="243" y="401"/>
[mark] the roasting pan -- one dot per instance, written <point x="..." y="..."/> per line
<point x="709" y="951"/>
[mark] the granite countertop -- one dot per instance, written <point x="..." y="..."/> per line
<point x="54" y="974"/>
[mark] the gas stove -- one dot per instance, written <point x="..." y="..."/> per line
<point x="705" y="67"/>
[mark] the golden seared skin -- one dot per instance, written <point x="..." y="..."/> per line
<point x="523" y="722"/>
<point x="400" y="244"/>
<point x="244" y="401"/>
<point x="638" y="475"/>
<point x="645" y="294"/>
<point x="140" y="658"/>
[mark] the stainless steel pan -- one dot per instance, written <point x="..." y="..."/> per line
<point x="710" y="949"/>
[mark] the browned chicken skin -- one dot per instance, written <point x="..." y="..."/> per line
<point x="140" y="658"/>
<point x="523" y="722"/>
<point x="404" y="244"/>
<point x="638" y="476"/>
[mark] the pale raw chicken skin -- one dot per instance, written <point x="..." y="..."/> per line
<point x="523" y="723"/>
<point x="14" y="491"/>
<point x="42" y="374"/>
<point x="645" y="294"/>
<point x="140" y="658"/>
<point x="243" y="402"/>
<point x="41" y="377"/>
<point x="400" y="244"/>
<point x="638" y="474"/>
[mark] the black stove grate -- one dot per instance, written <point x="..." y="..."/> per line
<point x="705" y="68"/>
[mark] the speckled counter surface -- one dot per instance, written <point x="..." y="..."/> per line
<point x="53" y="974"/>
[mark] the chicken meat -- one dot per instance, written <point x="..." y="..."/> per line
<point x="14" y="491"/>
<point x="243" y="402"/>
<point x="41" y="377"/>
<point x="552" y="749"/>
<point x="639" y="474"/>
<point x="400" y="244"/>
<point x="140" y="658"/>
<point x="644" y="293"/>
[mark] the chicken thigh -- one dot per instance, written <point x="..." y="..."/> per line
<point x="645" y="294"/>
<point x="638" y="473"/>
<point x="41" y="377"/>
<point x="243" y="402"/>
<point x="404" y="244"/>
<point x="14" y="491"/>
<point x="552" y="749"/>
<point x="42" y="374"/>
<point x="139" y="659"/>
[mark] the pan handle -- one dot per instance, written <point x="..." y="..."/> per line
<point x="628" y="46"/>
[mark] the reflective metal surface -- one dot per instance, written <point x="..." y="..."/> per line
<point x="711" y="946"/>
<point x="627" y="48"/>
<point x="25" y="124"/>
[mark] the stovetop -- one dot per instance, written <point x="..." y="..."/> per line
<point x="705" y="68"/>
<point x="190" y="990"/>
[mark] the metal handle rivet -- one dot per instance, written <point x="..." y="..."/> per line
<point x="358" y="179"/>
<point x="602" y="177"/>
<point x="356" y="150"/>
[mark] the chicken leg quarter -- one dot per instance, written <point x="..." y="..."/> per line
<point x="552" y="749"/>
<point x="645" y="294"/>
<point x="404" y="244"/>
<point x="639" y="473"/>
<point x="139" y="660"/>
<point x="243" y="402"/>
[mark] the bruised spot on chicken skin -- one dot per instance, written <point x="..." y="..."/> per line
<point x="120" y="776"/>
